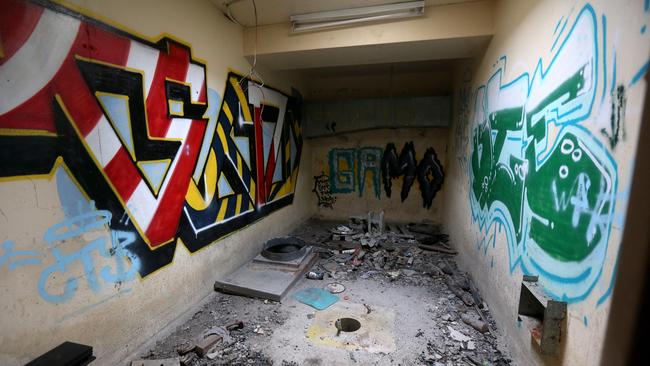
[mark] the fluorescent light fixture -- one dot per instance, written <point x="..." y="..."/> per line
<point x="346" y="17"/>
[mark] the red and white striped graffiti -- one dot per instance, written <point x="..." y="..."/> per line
<point x="127" y="116"/>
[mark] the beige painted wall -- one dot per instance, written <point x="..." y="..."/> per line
<point x="118" y="319"/>
<point x="407" y="79"/>
<point x="411" y="210"/>
<point x="524" y="33"/>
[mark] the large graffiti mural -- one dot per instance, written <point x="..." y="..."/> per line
<point x="537" y="173"/>
<point x="130" y="126"/>
<point x="252" y="162"/>
<point x="349" y="170"/>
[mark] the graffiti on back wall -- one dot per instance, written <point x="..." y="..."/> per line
<point x="132" y="125"/>
<point x="350" y="169"/>
<point x="322" y="190"/>
<point x="538" y="174"/>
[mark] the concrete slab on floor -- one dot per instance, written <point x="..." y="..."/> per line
<point x="264" y="280"/>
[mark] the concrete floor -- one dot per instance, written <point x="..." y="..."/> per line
<point x="415" y="316"/>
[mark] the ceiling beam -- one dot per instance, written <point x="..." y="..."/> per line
<point x="458" y="28"/>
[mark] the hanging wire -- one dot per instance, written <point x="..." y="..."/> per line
<point x="253" y="75"/>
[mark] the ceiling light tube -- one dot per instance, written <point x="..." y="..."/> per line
<point x="346" y="17"/>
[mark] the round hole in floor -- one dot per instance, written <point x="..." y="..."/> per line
<point x="284" y="248"/>
<point x="347" y="324"/>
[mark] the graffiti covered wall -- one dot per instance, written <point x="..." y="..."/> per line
<point x="399" y="171"/>
<point x="143" y="157"/>
<point x="128" y="122"/>
<point x="544" y="144"/>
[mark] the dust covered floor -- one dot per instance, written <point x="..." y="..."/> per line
<point x="402" y="296"/>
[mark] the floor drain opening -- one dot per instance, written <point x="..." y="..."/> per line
<point x="346" y="325"/>
<point x="283" y="249"/>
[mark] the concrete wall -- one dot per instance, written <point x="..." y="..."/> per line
<point x="349" y="167"/>
<point x="541" y="156"/>
<point x="406" y="79"/>
<point x="89" y="256"/>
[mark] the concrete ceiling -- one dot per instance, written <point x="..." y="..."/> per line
<point x="278" y="11"/>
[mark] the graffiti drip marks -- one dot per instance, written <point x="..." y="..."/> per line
<point x="139" y="132"/>
<point x="322" y="190"/>
<point x="617" y="117"/>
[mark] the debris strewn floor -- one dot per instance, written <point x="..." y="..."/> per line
<point x="427" y="312"/>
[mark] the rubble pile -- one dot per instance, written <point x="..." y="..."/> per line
<point x="235" y="330"/>
<point x="415" y="255"/>
<point x="260" y="318"/>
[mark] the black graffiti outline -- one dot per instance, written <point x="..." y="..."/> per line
<point x="430" y="165"/>
<point x="393" y="166"/>
<point x="323" y="194"/>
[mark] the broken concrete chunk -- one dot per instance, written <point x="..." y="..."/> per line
<point x="393" y="274"/>
<point x="330" y="266"/>
<point x="185" y="349"/>
<point x="462" y="282"/>
<point x="446" y="268"/>
<point x="408" y="272"/>
<point x="464" y="296"/>
<point x="205" y="344"/>
<point x="188" y="359"/>
<point x="476" y="323"/>
<point x="457" y="336"/>
<point x="434" y="270"/>
<point x="471" y="345"/>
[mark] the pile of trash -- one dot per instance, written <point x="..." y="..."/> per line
<point x="367" y="247"/>
<point x="212" y="337"/>
<point x="416" y="255"/>
<point x="364" y="248"/>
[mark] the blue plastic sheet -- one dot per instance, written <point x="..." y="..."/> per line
<point x="316" y="297"/>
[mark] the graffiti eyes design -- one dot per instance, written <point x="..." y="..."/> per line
<point x="538" y="173"/>
<point x="131" y="125"/>
<point x="349" y="168"/>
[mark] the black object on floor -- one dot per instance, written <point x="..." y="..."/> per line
<point x="65" y="354"/>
